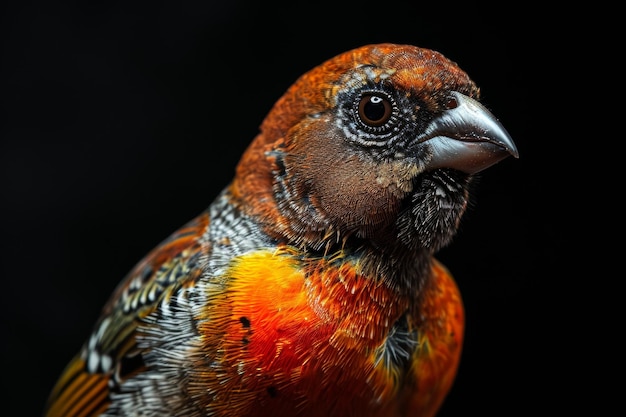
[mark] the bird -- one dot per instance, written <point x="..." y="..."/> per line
<point x="310" y="285"/>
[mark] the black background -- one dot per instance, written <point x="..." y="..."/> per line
<point x="121" y="121"/>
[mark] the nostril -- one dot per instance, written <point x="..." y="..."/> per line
<point x="452" y="103"/>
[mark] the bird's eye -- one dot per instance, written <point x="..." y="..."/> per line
<point x="374" y="109"/>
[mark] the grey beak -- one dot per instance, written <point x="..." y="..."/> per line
<point x="467" y="137"/>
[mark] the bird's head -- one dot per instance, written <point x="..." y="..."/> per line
<point x="378" y="144"/>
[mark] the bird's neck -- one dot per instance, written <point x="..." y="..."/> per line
<point x="384" y="260"/>
<point x="253" y="192"/>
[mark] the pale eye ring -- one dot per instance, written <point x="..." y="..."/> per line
<point x="374" y="109"/>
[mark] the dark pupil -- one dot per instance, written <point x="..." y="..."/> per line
<point x="374" y="109"/>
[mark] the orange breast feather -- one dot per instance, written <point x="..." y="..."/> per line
<point x="293" y="334"/>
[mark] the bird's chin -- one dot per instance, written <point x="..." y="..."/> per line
<point x="431" y="215"/>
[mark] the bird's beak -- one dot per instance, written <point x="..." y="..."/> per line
<point x="467" y="137"/>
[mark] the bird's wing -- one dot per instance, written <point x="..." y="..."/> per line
<point x="111" y="355"/>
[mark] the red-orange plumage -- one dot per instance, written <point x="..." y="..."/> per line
<point x="292" y="325"/>
<point x="309" y="286"/>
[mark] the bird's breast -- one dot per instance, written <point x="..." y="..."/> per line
<point x="295" y="336"/>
